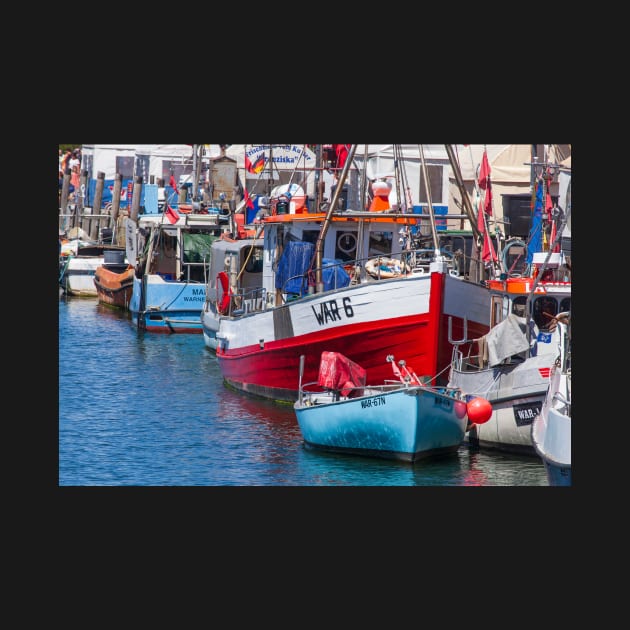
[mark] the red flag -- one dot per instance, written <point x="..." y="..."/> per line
<point x="487" y="205"/>
<point x="485" y="209"/>
<point x="484" y="171"/>
<point x="481" y="223"/>
<point x="171" y="214"/>
<point x="487" y="252"/>
<point x="552" y="237"/>
<point x="248" y="200"/>
<point x="172" y="184"/>
<point x="548" y="202"/>
<point x="341" y="150"/>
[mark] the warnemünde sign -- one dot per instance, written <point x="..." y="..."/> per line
<point x="282" y="155"/>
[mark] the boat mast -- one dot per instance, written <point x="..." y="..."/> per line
<point x="427" y="190"/>
<point x="319" y="245"/>
<point x="462" y="190"/>
<point x="196" y="171"/>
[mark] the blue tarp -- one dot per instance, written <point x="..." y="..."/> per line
<point x="150" y="199"/>
<point x="296" y="260"/>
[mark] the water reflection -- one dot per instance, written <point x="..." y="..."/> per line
<point x="145" y="409"/>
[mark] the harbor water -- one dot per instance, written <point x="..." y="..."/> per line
<point x="143" y="409"/>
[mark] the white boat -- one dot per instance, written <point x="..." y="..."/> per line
<point x="514" y="385"/>
<point x="510" y="365"/>
<point x="400" y="419"/>
<point x="551" y="428"/>
<point x="78" y="263"/>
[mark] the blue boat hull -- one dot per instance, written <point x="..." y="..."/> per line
<point x="167" y="306"/>
<point x="407" y="424"/>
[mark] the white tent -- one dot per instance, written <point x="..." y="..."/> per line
<point x="106" y="158"/>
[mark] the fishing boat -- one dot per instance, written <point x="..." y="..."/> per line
<point x="510" y="364"/>
<point x="400" y="419"/>
<point x="551" y="428"/>
<point x="298" y="283"/>
<point x="169" y="285"/>
<point x="114" y="280"/>
<point x="79" y="258"/>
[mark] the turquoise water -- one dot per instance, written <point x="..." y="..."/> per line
<point x="143" y="409"/>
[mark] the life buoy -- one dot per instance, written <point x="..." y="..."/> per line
<point x="347" y="242"/>
<point x="223" y="292"/>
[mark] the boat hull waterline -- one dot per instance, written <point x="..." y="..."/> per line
<point x="259" y="353"/>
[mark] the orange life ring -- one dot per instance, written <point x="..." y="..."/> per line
<point x="223" y="299"/>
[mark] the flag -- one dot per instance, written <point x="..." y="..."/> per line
<point x="341" y="151"/>
<point x="257" y="165"/>
<point x="485" y="209"/>
<point x="534" y="239"/>
<point x="248" y="200"/>
<point x="172" y="184"/>
<point x="484" y="171"/>
<point x="171" y="214"/>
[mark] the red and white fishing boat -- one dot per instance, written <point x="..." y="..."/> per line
<point x="301" y="285"/>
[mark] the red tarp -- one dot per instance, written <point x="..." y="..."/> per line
<point x="340" y="373"/>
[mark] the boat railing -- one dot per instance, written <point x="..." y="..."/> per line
<point x="254" y="299"/>
<point x="418" y="261"/>
<point x="316" y="394"/>
<point x="248" y="300"/>
<point x="194" y="271"/>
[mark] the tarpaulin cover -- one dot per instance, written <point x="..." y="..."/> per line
<point x="296" y="260"/>
<point x="338" y="372"/>
<point x="197" y="247"/>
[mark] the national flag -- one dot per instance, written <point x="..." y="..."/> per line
<point x="257" y="165"/>
<point x="171" y="214"/>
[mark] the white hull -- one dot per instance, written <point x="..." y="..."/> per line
<point x="77" y="275"/>
<point x="551" y="429"/>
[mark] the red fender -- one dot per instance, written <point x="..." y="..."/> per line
<point x="223" y="297"/>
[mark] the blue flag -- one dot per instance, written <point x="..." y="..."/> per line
<point x="534" y="240"/>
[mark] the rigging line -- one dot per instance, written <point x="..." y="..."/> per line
<point x="397" y="173"/>
<point x="405" y="186"/>
<point x="363" y="185"/>
<point x="297" y="162"/>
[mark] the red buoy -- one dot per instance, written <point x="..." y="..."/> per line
<point x="479" y="410"/>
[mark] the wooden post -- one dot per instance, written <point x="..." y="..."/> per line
<point x="116" y="197"/>
<point x="93" y="224"/>
<point x="63" y="204"/>
<point x="113" y="220"/>
<point x="135" y="202"/>
<point x="83" y="181"/>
